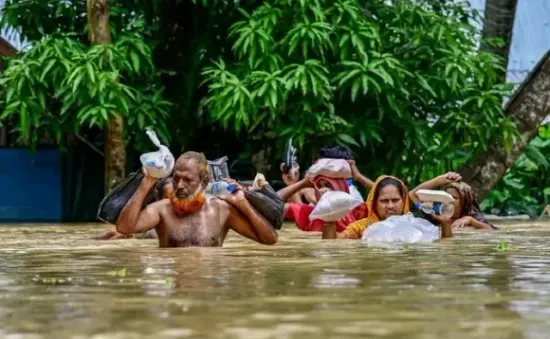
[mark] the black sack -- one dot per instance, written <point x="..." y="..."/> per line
<point x="113" y="203"/>
<point x="268" y="203"/>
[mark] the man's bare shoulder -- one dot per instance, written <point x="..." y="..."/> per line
<point x="160" y="206"/>
<point x="218" y="204"/>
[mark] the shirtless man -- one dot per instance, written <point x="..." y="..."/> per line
<point x="188" y="217"/>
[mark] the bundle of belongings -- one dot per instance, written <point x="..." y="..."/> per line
<point x="160" y="165"/>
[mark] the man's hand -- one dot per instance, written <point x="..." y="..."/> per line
<point x="450" y="177"/>
<point x="462" y="222"/>
<point x="237" y="199"/>
<point x="234" y="183"/>
<point x="146" y="176"/>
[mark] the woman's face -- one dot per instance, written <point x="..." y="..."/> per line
<point x="389" y="202"/>
<point x="457" y="203"/>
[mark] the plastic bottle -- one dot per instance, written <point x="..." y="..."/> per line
<point x="219" y="188"/>
<point x="437" y="208"/>
<point x="354" y="192"/>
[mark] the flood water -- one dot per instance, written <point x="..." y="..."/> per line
<point x="55" y="282"/>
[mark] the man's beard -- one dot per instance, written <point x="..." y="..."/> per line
<point x="187" y="205"/>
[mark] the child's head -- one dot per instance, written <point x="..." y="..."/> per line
<point x="465" y="200"/>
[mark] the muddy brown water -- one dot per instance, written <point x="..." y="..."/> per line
<point x="55" y="282"/>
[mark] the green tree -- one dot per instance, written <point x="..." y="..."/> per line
<point x="403" y="83"/>
<point x="63" y="84"/>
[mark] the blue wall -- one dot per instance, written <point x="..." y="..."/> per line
<point x="30" y="185"/>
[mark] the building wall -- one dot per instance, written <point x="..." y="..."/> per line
<point x="31" y="185"/>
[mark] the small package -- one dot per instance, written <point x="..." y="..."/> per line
<point x="334" y="205"/>
<point x="405" y="229"/>
<point x="333" y="168"/>
<point x="157" y="164"/>
<point x="434" y="196"/>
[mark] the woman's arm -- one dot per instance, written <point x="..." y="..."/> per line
<point x="446" y="225"/>
<point x="471" y="221"/>
<point x="360" y="178"/>
<point x="434" y="183"/>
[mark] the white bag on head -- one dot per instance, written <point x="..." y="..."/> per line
<point x="334" y="168"/>
<point x="334" y="205"/>
<point x="401" y="229"/>
<point x="157" y="164"/>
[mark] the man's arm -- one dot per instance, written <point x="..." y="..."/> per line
<point x="290" y="190"/>
<point x="132" y="219"/>
<point x="245" y="220"/>
<point x="309" y="194"/>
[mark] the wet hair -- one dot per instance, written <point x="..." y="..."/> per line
<point x="334" y="152"/>
<point x="468" y="198"/>
<point x="199" y="158"/>
<point x="389" y="182"/>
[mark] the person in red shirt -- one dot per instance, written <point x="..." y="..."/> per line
<point x="299" y="212"/>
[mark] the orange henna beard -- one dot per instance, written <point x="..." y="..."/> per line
<point x="188" y="205"/>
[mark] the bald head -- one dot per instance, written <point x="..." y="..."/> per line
<point x="195" y="157"/>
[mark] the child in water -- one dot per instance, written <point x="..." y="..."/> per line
<point x="466" y="206"/>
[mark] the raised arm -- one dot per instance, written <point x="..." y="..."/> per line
<point x="134" y="220"/>
<point x="360" y="178"/>
<point x="245" y="220"/>
<point x="434" y="183"/>
<point x="292" y="189"/>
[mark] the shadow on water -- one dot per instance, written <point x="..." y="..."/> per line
<point x="56" y="282"/>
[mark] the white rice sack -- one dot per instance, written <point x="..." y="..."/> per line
<point x="401" y="229"/>
<point x="334" y="205"/>
<point x="334" y="168"/>
<point x="157" y="164"/>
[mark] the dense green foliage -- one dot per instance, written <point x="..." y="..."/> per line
<point x="402" y="83"/>
<point x="63" y="85"/>
<point x="526" y="186"/>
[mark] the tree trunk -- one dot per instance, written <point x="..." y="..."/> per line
<point x="527" y="107"/>
<point x="499" y="23"/>
<point x="115" y="148"/>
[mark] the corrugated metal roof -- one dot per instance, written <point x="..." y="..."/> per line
<point x="530" y="38"/>
<point x="11" y="36"/>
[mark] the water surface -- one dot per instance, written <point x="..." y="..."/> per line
<point x="56" y="282"/>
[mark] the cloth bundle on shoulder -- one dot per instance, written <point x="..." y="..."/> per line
<point x="113" y="203"/>
<point x="157" y="164"/>
<point x="266" y="201"/>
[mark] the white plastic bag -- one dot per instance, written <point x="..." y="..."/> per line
<point x="355" y="193"/>
<point x="401" y="229"/>
<point x="334" y="205"/>
<point x="334" y="168"/>
<point x="157" y="164"/>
